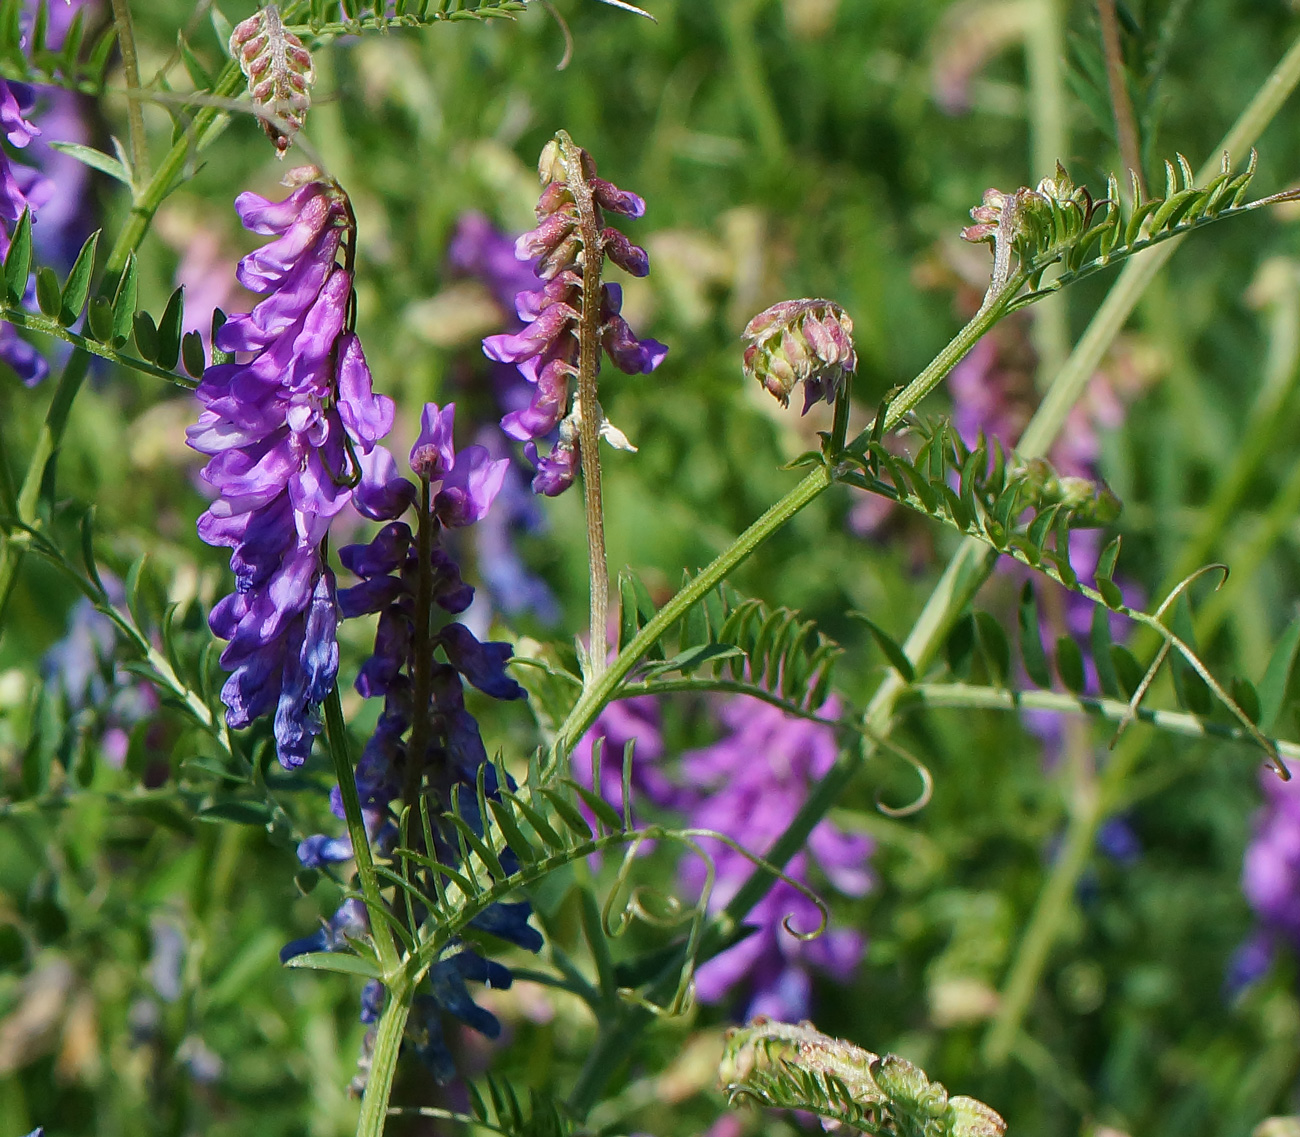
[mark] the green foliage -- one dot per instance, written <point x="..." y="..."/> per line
<point x="81" y="61"/>
<point x="1059" y="223"/>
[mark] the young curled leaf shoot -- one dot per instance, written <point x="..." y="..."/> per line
<point x="573" y="316"/>
<point x="1058" y="222"/>
<point x="783" y="1066"/>
<point x="280" y="74"/>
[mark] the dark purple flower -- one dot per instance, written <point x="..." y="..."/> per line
<point x="286" y="430"/>
<point x="546" y="350"/>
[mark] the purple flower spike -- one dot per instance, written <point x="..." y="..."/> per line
<point x="281" y="430"/>
<point x="547" y="350"/>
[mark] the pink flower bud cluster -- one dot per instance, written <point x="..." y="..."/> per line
<point x="801" y="341"/>
<point x="547" y="350"/>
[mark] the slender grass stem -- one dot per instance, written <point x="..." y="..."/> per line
<point x="1050" y="910"/>
<point x="134" y="107"/>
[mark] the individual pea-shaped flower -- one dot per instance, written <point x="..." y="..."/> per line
<point x="279" y="72"/>
<point x="570" y="242"/>
<point x="801" y="341"/>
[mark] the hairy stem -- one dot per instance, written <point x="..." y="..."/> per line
<point x="590" y="415"/>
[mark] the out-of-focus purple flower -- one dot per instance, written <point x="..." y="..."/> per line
<point x="513" y="588"/>
<point x="1271" y="871"/>
<point x="634" y="721"/>
<point x="1118" y="840"/>
<point x="480" y="250"/>
<point x="21" y="187"/>
<point x="750" y="785"/>
<point x="1249" y="963"/>
<point x="1270" y="879"/>
<point x="83" y="668"/>
<point x="546" y="350"/>
<point x="286" y="431"/>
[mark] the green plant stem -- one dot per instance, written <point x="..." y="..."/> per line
<point x="385" y="946"/>
<point x="47" y="443"/>
<point x="134" y="105"/>
<point x="1057" y="894"/>
<point x="1109" y="710"/>
<point x="952" y="353"/>
<point x="383" y="1060"/>
<point x="1048" y="143"/>
<point x="596" y="695"/>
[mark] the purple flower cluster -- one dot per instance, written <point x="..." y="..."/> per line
<point x="419" y="672"/>
<point x="292" y="433"/>
<point x="389" y="569"/>
<point x="1270" y="878"/>
<point x="547" y="349"/>
<point x="747" y="786"/>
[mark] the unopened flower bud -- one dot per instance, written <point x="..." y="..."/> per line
<point x="279" y="72"/>
<point x="808" y="341"/>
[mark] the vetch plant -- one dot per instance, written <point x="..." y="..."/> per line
<point x="635" y="818"/>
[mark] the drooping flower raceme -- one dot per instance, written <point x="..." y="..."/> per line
<point x="292" y="433"/>
<point x="570" y="243"/>
<point x="426" y="745"/>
